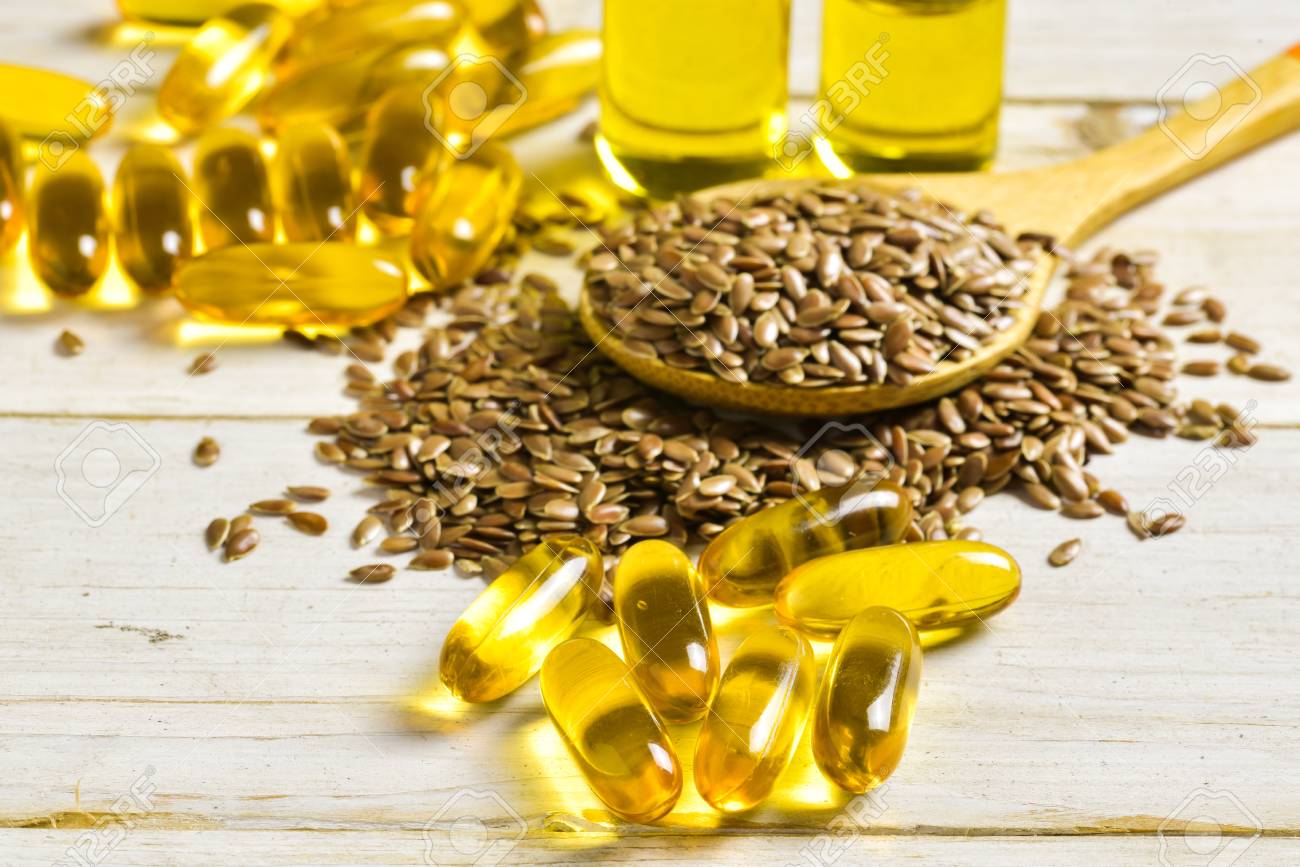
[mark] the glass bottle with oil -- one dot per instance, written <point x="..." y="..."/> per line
<point x="934" y="105"/>
<point x="693" y="92"/>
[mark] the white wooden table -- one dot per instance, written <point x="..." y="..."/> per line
<point x="159" y="707"/>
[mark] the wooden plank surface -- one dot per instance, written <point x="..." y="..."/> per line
<point x="158" y="706"/>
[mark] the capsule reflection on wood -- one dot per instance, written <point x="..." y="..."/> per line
<point x="464" y="213"/>
<point x="503" y="637"/>
<point x="618" y="743"/>
<point x="755" y="720"/>
<point x="70" y="226"/>
<point x="745" y="562"/>
<point x="867" y="699"/>
<point x="233" y="189"/>
<point x="936" y="585"/>
<point x="663" y="622"/>
<point x="154" y="231"/>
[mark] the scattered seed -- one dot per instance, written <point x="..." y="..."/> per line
<point x="1241" y="342"/>
<point x="437" y="559"/>
<point x="216" y="533"/>
<point x="69" y="344"/>
<point x="1239" y="364"/>
<point x="272" y="507"/>
<point x="1201" y="368"/>
<point x="399" y="544"/>
<point x="239" y="523"/>
<point x="366" y="531"/>
<point x="308" y="522"/>
<point x="376" y="573"/>
<point x="1166" y="524"/>
<point x="205" y="363"/>
<point x="207" y="452"/>
<point x="1065" y="552"/>
<point x="241" y="544"/>
<point x="1113" y="501"/>
<point x="308" y="493"/>
<point x="1268" y="373"/>
<point x="1084" y="509"/>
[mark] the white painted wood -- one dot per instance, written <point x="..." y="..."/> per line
<point x="276" y="727"/>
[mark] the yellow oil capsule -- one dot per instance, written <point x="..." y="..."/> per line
<point x="398" y="146"/>
<point x="55" y="109"/>
<point x="223" y="66"/>
<point x="557" y="72"/>
<point x="293" y="285"/>
<point x="535" y="24"/>
<point x="937" y="585"/>
<point x="663" y="621"/>
<point x="69" y="225"/>
<point x="193" y="12"/>
<point x="464" y="213"/>
<point x="367" y="26"/>
<point x="745" y="562"/>
<point x="618" y="743"/>
<point x="867" y="699"/>
<point x="232" y="188"/>
<point x="153" y="229"/>
<point x="342" y="92"/>
<point x="12" y="174"/>
<point x="756" y="719"/>
<point x="313" y="173"/>
<point x="503" y="637"/>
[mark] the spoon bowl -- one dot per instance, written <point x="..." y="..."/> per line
<point x="1067" y="202"/>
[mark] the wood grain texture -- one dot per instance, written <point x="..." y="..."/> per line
<point x="261" y="712"/>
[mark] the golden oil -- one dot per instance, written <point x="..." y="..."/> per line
<point x="12" y="176"/>
<point x="199" y="11"/>
<point x="935" y="105"/>
<point x="58" y="110"/>
<point x="867" y="699"/>
<point x="396" y="149"/>
<point x="617" y="742"/>
<point x="464" y="209"/>
<point x="233" y="189"/>
<point x="222" y="67"/>
<point x="744" y="563"/>
<point x="946" y="584"/>
<point x="307" y="284"/>
<point x="153" y="226"/>
<point x="692" y="93"/>
<point x="313" y="180"/>
<point x="70" y="226"/>
<point x="755" y="720"/>
<point x="369" y="26"/>
<point x="503" y="637"/>
<point x="557" y="71"/>
<point x="662" y="612"/>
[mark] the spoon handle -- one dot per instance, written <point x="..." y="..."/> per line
<point x="1250" y="109"/>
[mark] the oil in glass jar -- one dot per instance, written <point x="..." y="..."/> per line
<point x="935" y="107"/>
<point x="692" y="93"/>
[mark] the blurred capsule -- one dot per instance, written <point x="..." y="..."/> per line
<point x="314" y="183"/>
<point x="505" y="25"/>
<point x="500" y="641"/>
<point x="153" y="226"/>
<point x="398" y="146"/>
<point x="57" y="110"/>
<point x="230" y="182"/>
<point x="12" y="175"/>
<point x="293" y="285"/>
<point x="867" y="699"/>
<point x="755" y="720"/>
<point x="223" y="67"/>
<point x="664" y="625"/>
<point x="557" y="72"/>
<point x="383" y="24"/>
<point x="342" y="93"/>
<point x="618" y="743"/>
<point x="744" y="563"/>
<point x="191" y="12"/>
<point x="937" y="585"/>
<point x="69" y="225"/>
<point x="464" y="213"/>
<point x="535" y="24"/>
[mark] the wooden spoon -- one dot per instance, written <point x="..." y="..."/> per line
<point x="1070" y="202"/>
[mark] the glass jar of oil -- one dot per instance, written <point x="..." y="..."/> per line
<point x="693" y="92"/>
<point x="935" y="106"/>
